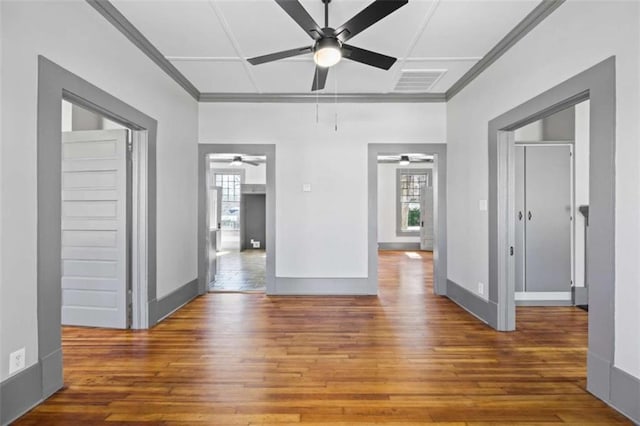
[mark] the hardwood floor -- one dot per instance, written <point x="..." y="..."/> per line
<point x="405" y="357"/>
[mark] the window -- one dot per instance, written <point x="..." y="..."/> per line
<point x="409" y="187"/>
<point x="230" y="183"/>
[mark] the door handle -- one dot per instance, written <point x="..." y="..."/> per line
<point x="422" y="224"/>
<point x="219" y="225"/>
<point x="530" y="215"/>
<point x="519" y="215"/>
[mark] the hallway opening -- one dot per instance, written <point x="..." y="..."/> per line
<point x="236" y="212"/>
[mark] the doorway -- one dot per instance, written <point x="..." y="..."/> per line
<point x="237" y="222"/>
<point x="405" y="219"/>
<point x="55" y="84"/>
<point x="551" y="188"/>
<point x="413" y="218"/>
<point x="596" y="84"/>
<point x="236" y="193"/>
<point x="96" y="223"/>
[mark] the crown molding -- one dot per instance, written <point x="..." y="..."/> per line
<point x="118" y="20"/>
<point x="323" y="98"/>
<point x="537" y="15"/>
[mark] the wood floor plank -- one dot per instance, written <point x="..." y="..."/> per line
<point x="405" y="358"/>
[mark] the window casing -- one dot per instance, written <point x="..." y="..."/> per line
<point x="230" y="183"/>
<point x="409" y="184"/>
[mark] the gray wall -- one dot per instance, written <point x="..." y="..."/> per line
<point x="560" y="126"/>
<point x="254" y="219"/>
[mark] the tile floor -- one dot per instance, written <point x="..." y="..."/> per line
<point x="240" y="271"/>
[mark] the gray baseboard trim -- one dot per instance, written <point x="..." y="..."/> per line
<point x="617" y="388"/>
<point x="170" y="303"/>
<point x="625" y="394"/>
<point x="20" y="393"/>
<point x="580" y="295"/>
<point x="398" y="246"/>
<point x="484" y="310"/>
<point x="598" y="376"/>
<point x="52" y="379"/>
<point x="544" y="303"/>
<point x="323" y="287"/>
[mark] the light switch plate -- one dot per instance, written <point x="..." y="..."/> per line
<point x="306" y="187"/>
<point x="482" y="205"/>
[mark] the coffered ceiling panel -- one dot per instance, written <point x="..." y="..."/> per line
<point x="464" y="28"/>
<point x="285" y="76"/>
<point x="209" y="41"/>
<point x="261" y="27"/>
<point x="353" y="77"/>
<point x="179" y="28"/>
<point x="216" y="76"/>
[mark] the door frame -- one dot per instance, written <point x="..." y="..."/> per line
<point x="596" y="84"/>
<point x="269" y="151"/>
<point x="55" y="84"/>
<point x="439" y="175"/>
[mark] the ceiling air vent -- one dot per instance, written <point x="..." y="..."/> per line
<point x="418" y="80"/>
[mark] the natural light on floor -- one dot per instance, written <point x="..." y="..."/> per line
<point x="413" y="255"/>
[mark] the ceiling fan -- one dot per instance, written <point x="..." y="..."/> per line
<point x="330" y="44"/>
<point x="238" y="161"/>
<point x="405" y="159"/>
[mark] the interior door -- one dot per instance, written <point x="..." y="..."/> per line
<point x="94" y="228"/>
<point x="426" y="215"/>
<point x="548" y="218"/>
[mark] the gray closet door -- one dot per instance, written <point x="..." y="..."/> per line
<point x="520" y="217"/>
<point x="548" y="218"/>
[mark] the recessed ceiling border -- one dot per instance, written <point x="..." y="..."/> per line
<point x="122" y="24"/>
<point x="537" y="15"/>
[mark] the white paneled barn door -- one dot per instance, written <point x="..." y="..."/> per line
<point x="94" y="228"/>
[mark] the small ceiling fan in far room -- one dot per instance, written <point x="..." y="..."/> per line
<point x="238" y="161"/>
<point x="329" y="44"/>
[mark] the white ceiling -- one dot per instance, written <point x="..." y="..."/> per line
<point x="210" y="40"/>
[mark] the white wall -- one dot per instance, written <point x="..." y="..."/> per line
<point x="76" y="37"/>
<point x="387" y="198"/>
<point x="573" y="38"/>
<point x="322" y="233"/>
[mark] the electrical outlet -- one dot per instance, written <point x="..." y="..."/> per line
<point x="481" y="289"/>
<point x="17" y="360"/>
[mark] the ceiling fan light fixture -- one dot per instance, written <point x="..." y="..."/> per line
<point x="404" y="160"/>
<point x="327" y="52"/>
<point x="237" y="161"/>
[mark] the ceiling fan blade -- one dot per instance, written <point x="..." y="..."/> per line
<point x="319" y="78"/>
<point x="299" y="14"/>
<point x="368" y="57"/>
<point x="250" y="162"/>
<point x="367" y="17"/>
<point x="279" y="55"/>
